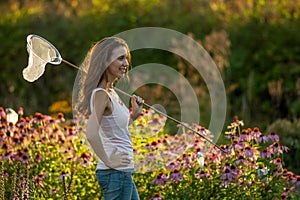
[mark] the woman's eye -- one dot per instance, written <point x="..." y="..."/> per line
<point x="121" y="58"/>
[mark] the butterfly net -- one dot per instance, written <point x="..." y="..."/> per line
<point x="40" y="53"/>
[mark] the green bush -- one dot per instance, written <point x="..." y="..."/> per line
<point x="288" y="131"/>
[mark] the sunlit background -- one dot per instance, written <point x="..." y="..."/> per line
<point x="255" y="44"/>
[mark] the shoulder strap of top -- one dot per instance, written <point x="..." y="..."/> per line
<point x="92" y="97"/>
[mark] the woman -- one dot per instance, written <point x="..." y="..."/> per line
<point x="108" y="117"/>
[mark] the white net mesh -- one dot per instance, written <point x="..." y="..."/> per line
<point x="40" y="53"/>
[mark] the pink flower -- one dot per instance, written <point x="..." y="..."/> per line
<point x="278" y="162"/>
<point x="21" y="111"/>
<point x="147" y="113"/>
<point x="202" y="174"/>
<point x="2" y="114"/>
<point x="214" y="157"/>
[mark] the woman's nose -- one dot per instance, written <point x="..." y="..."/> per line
<point x="125" y="62"/>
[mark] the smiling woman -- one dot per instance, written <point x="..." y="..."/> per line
<point x="108" y="117"/>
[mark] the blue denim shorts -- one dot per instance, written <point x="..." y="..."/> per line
<point x="117" y="185"/>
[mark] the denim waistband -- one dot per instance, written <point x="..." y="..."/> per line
<point x="108" y="171"/>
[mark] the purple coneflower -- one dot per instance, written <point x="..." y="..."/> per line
<point x="274" y="137"/>
<point x="60" y="118"/>
<point x="63" y="174"/>
<point x="175" y="175"/>
<point x="23" y="155"/>
<point x="160" y="179"/>
<point x="262" y="138"/>
<point x="54" y="190"/>
<point x="265" y="154"/>
<point x="157" y="196"/>
<point x="85" y="158"/>
<point x="173" y="165"/>
<point x="230" y="172"/>
<point x="135" y="151"/>
<point x="296" y="180"/>
<point x="155" y="121"/>
<point x="227" y="177"/>
<point x="202" y="174"/>
<point x="244" y="136"/>
<point x="151" y="155"/>
<point x="277" y="148"/>
<point x="241" y="161"/>
<point x="236" y="145"/>
<point x="249" y="152"/>
<point x="38" y="157"/>
<point x="38" y="179"/>
<point x="255" y="133"/>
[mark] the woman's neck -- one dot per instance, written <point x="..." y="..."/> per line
<point x="106" y="84"/>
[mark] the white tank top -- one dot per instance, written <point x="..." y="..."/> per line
<point x="115" y="132"/>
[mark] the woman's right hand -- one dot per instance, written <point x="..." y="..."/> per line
<point x="118" y="159"/>
<point x="137" y="105"/>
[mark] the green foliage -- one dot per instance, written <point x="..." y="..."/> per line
<point x="270" y="58"/>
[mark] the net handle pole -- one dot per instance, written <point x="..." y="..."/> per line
<point x="70" y="64"/>
<point x="175" y="120"/>
<point x="171" y="118"/>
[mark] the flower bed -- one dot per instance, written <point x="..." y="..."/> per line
<point x="45" y="157"/>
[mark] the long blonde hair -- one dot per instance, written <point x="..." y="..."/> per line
<point x="91" y="72"/>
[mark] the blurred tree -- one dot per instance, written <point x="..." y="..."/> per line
<point x="255" y="44"/>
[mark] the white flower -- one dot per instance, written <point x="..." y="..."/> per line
<point x="11" y="115"/>
<point x="262" y="172"/>
<point x="200" y="159"/>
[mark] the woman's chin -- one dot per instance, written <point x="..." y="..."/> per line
<point x="121" y="75"/>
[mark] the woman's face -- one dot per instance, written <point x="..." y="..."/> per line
<point x="119" y="64"/>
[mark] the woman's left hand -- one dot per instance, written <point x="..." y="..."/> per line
<point x="137" y="105"/>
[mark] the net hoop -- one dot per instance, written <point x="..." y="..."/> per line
<point x="56" y="61"/>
